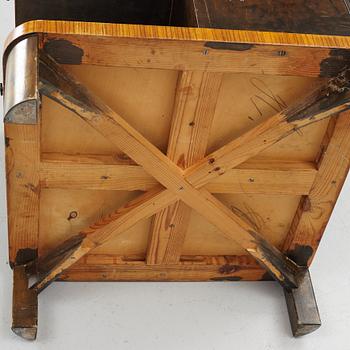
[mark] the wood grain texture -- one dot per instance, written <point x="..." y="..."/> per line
<point x="191" y="38"/>
<point x="23" y="191"/>
<point x="194" y="109"/>
<point x="24" y="305"/>
<point x="184" y="34"/>
<point x="133" y="157"/>
<point x="266" y="177"/>
<point x="214" y="56"/>
<point x="92" y="172"/>
<point x="330" y="99"/>
<point x="190" y="268"/>
<point x="315" y="209"/>
<point x="207" y="49"/>
<point x="95" y="235"/>
<point x="59" y="86"/>
<point x="105" y="173"/>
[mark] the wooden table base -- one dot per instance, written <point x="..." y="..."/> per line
<point x="144" y="153"/>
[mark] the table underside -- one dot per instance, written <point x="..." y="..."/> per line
<point x="172" y="154"/>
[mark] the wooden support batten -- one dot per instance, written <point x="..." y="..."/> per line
<point x="62" y="171"/>
<point x="315" y="209"/>
<point x="192" y="120"/>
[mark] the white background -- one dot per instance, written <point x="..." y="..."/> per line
<point x="182" y="315"/>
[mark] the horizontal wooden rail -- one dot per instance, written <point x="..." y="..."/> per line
<point x="106" y="173"/>
<point x="207" y="49"/>
<point x="100" y="267"/>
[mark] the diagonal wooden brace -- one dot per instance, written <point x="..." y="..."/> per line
<point x="57" y="85"/>
<point x="67" y="253"/>
<point x="331" y="99"/>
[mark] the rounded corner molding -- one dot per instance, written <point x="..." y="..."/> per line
<point x="21" y="83"/>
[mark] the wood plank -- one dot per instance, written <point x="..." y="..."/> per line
<point x="93" y="172"/>
<point x="211" y="56"/>
<point x="95" y="267"/>
<point x="266" y="177"/>
<point x="95" y="235"/>
<point x="106" y="173"/>
<point x="57" y="85"/>
<point x="318" y="105"/>
<point x="194" y="109"/>
<point x="315" y="209"/>
<point x="107" y="30"/>
<point x="206" y="49"/>
<point x="23" y="191"/>
<point x="157" y="273"/>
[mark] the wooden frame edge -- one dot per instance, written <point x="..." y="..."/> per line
<point x="177" y="33"/>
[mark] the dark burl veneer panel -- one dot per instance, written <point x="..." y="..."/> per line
<point x="304" y="16"/>
<point x="311" y="16"/>
<point x="155" y="12"/>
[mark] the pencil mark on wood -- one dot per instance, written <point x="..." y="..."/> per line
<point x="265" y="97"/>
<point x="250" y="216"/>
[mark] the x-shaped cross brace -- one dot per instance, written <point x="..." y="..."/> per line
<point x="175" y="183"/>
